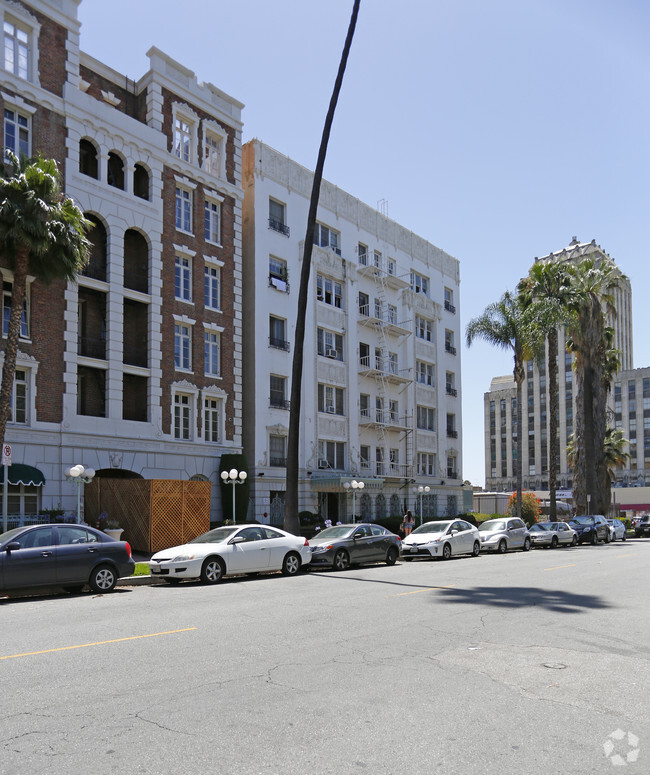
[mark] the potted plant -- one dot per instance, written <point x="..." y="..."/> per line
<point x="110" y="526"/>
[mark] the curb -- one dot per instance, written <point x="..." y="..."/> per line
<point x="135" y="581"/>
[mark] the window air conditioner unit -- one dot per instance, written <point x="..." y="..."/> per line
<point x="322" y="463"/>
<point x="329" y="409"/>
<point x="331" y="353"/>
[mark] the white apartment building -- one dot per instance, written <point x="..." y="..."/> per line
<point x="500" y="402"/>
<point x="381" y="400"/>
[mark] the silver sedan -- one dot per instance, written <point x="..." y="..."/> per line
<point x="553" y="534"/>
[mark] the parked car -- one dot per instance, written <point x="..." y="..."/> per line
<point x="616" y="530"/>
<point x="344" y="545"/>
<point x="642" y="527"/>
<point x="552" y="534"/>
<point x="227" y="551"/>
<point x="591" y="528"/>
<point x="68" y="556"/>
<point x="499" y="535"/>
<point x="442" y="539"/>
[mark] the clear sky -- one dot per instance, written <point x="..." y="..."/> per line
<point x="496" y="130"/>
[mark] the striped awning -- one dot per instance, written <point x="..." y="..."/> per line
<point x="336" y="483"/>
<point x="19" y="473"/>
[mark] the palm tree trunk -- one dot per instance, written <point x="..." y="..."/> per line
<point x="553" y="442"/>
<point x="11" y="348"/>
<point x="519" y="375"/>
<point x="291" y="520"/>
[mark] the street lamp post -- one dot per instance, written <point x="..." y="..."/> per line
<point x="234" y="477"/>
<point x="420" y="491"/>
<point x="80" y="476"/>
<point x="355" y="486"/>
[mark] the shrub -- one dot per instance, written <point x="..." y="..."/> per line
<point x="530" y="507"/>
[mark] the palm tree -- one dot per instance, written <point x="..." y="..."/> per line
<point x="42" y="233"/>
<point x="593" y="283"/>
<point x="547" y="291"/>
<point x="503" y="324"/>
<point x="291" y="519"/>
<point x="615" y="454"/>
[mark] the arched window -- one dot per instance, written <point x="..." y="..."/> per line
<point x="115" y="176"/>
<point x="395" y="505"/>
<point x="136" y="261"/>
<point x="366" y="507"/>
<point x="141" y="182"/>
<point x="96" y="266"/>
<point x="88" y="159"/>
<point x="380" y="507"/>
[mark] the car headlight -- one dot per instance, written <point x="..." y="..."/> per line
<point x="182" y="557"/>
<point x="320" y="549"/>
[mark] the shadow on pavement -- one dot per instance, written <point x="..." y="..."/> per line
<point x="556" y="600"/>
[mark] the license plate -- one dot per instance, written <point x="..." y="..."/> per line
<point x="414" y="550"/>
<point x="155" y="570"/>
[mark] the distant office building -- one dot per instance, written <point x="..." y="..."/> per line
<point x="381" y="399"/>
<point x="500" y="402"/>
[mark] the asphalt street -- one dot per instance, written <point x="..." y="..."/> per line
<point x="530" y="663"/>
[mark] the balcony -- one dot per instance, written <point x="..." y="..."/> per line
<point x="451" y="433"/>
<point x="370" y="418"/>
<point x="279" y="403"/>
<point x="452" y="473"/>
<point x="450" y="307"/>
<point x="278" y="462"/>
<point x="450" y="348"/>
<point x="279" y="344"/>
<point x="451" y="391"/>
<point x="279" y="226"/>
<point x="371" y="316"/>
<point x="384" y="369"/>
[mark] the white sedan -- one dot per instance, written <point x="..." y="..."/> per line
<point x="227" y="551"/>
<point x="442" y="539"/>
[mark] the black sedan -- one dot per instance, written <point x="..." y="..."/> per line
<point x="68" y="556"/>
<point x="344" y="545"/>
<point x="590" y="528"/>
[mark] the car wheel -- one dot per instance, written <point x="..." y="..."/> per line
<point x="446" y="551"/>
<point x="594" y="539"/>
<point x="527" y="544"/>
<point x="103" y="579"/>
<point x="341" y="560"/>
<point x="391" y="556"/>
<point x="476" y="549"/>
<point x="554" y="542"/>
<point x="574" y="541"/>
<point x="212" y="570"/>
<point x="607" y="536"/>
<point x="74" y="589"/>
<point x="612" y="538"/>
<point x="291" y="564"/>
<point x="624" y="537"/>
<point x="503" y="546"/>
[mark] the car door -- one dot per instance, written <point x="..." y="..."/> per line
<point x="277" y="545"/>
<point x="77" y="553"/>
<point x="516" y="530"/>
<point x="361" y="548"/>
<point x="380" y="542"/>
<point x="456" y="538"/>
<point x="563" y="533"/>
<point x="251" y="553"/>
<point x="34" y="563"/>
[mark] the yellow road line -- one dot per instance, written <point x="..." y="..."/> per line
<point x="98" y="643"/>
<point x="428" y="589"/>
<point x="631" y="554"/>
<point x="556" y="567"/>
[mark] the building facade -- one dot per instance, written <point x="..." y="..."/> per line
<point x="500" y="402"/>
<point x="135" y="370"/>
<point x="381" y="399"/>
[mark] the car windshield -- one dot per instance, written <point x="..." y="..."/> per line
<point x="340" y="531"/>
<point x="4" y="537"/>
<point x="540" y="527"/>
<point x="431" y="527"/>
<point x="492" y="525"/>
<point x="583" y="520"/>
<point x="215" y="536"/>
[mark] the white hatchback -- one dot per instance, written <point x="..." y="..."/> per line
<point x="227" y="551"/>
<point x="442" y="539"/>
<point x="499" y="535"/>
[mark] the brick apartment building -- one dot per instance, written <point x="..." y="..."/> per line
<point x="136" y="369"/>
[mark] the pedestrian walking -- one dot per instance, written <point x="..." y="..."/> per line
<point x="408" y="523"/>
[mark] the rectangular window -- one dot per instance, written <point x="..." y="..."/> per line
<point x="211" y="419"/>
<point x="364" y="304"/>
<point x="364" y="406"/>
<point x="449" y="300"/>
<point x="451" y="468"/>
<point x="183" y="279"/>
<point x="330" y="399"/>
<point x="423" y="329"/>
<point x="277" y="451"/>
<point x="419" y="283"/>
<point x="213" y="222"/>
<point x="426" y="464"/>
<point x="329" y="291"/>
<point x="393" y="459"/>
<point x="211" y="154"/>
<point x="426" y="418"/>
<point x="364" y="457"/>
<point x="183" y="139"/>
<point x="393" y="411"/>
<point x="182" y="416"/>
<point x="182" y="347"/>
<point x="184" y="210"/>
<point x="449" y="342"/>
<point x="362" y="251"/>
<point x="16" y="50"/>
<point x="330" y="344"/>
<point x="424" y="373"/>
<point x="331" y="454"/>
<point x="379" y="461"/>
<point x="18" y="400"/>
<point x="278" y="333"/>
<point x="17" y="134"/>
<point x="278" y="217"/>
<point x="391" y="268"/>
<point x="212" y="353"/>
<point x="277" y="387"/>
<point x="7" y="289"/>
<point x="327" y="238"/>
<point x="212" y="287"/>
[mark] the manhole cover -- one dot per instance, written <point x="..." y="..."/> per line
<point x="554" y="665"/>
